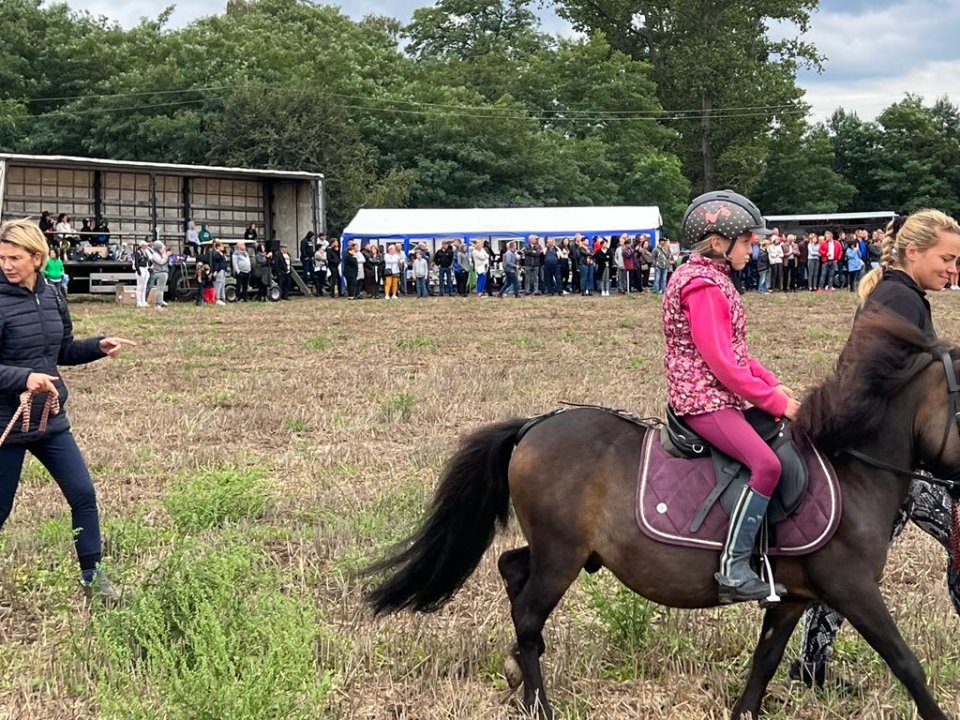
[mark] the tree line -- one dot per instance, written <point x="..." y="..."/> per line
<point x="473" y="104"/>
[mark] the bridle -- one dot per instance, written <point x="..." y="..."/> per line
<point x="951" y="483"/>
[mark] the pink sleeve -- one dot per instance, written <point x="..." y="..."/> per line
<point x="709" y="314"/>
<point x="759" y="371"/>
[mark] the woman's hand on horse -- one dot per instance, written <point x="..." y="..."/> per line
<point x="111" y="347"/>
<point x="793" y="408"/>
<point x="42" y="383"/>
<point x="785" y="390"/>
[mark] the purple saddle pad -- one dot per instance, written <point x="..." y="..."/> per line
<point x="670" y="492"/>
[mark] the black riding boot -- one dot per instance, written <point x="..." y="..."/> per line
<point x="738" y="581"/>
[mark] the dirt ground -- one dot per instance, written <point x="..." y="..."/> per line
<point x="349" y="410"/>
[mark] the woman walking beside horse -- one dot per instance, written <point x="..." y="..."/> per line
<point x="917" y="254"/>
<point x="36" y="335"/>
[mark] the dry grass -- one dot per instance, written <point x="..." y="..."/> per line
<point x="348" y="410"/>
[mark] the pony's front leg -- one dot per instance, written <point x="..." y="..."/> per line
<point x="778" y="624"/>
<point x="860" y="601"/>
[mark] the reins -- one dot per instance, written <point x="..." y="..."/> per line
<point x="50" y="407"/>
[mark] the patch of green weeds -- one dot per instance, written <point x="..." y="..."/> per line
<point x="636" y="363"/>
<point x="318" y="343"/>
<point x="211" y="636"/>
<point x="398" y="406"/>
<point x="295" y="425"/>
<point x="417" y="342"/>
<point x="216" y="496"/>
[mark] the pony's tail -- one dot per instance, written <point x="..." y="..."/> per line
<point x="470" y="500"/>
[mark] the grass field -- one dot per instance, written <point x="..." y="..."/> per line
<point x="248" y="458"/>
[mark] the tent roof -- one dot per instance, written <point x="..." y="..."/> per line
<point x="831" y="217"/>
<point x="502" y="222"/>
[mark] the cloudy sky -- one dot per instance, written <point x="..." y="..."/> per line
<point x="876" y="50"/>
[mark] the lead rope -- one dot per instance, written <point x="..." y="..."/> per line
<point x="50" y="407"/>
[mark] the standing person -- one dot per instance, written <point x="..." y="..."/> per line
<point x="711" y="376"/>
<point x="789" y="263"/>
<point x="813" y="263"/>
<point x="763" y="267"/>
<point x="333" y="268"/>
<point x="192" y="244"/>
<point x="308" y="247"/>
<point x="204" y="235"/>
<point x="830" y="253"/>
<point x="532" y="258"/>
<point x="320" y="269"/>
<point x="661" y="266"/>
<point x="160" y="259"/>
<point x="564" y="253"/>
<point x="601" y="266"/>
<point x="37" y="337"/>
<point x="352" y="270"/>
<point x="916" y="253"/>
<point x="53" y="271"/>
<point x="240" y="260"/>
<point x="372" y="272"/>
<point x="391" y="274"/>
<point x="802" y="253"/>
<point x="250" y="234"/>
<point x="218" y="266"/>
<point x="444" y="260"/>
<point x="481" y="264"/>
<point x="47" y="228"/>
<point x="854" y="265"/>
<point x="775" y="254"/>
<point x="629" y="265"/>
<point x="510" y="263"/>
<point x="421" y="270"/>
<point x="461" y="266"/>
<point x="586" y="268"/>
<point x="284" y="265"/>
<point x="263" y="273"/>
<point x="620" y="266"/>
<point x="645" y="261"/>
<point x="141" y="266"/>
<point x="551" y="268"/>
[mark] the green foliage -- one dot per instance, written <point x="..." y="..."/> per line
<point x="624" y="615"/>
<point x="318" y="342"/>
<point x="210" y="636"/>
<point x="398" y="406"/>
<point x="216" y="496"/>
<point x="417" y="342"/>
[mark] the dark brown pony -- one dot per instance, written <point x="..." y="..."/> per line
<point x="572" y="482"/>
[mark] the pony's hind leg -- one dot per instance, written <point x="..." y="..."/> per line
<point x="514" y="566"/>
<point x="549" y="576"/>
<point x="778" y="624"/>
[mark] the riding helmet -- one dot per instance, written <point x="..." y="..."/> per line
<point x="723" y="212"/>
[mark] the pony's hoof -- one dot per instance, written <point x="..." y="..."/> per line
<point x="512" y="672"/>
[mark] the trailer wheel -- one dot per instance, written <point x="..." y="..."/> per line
<point x="274" y="293"/>
<point x="230" y="292"/>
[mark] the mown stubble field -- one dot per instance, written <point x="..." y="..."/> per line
<point x="250" y="458"/>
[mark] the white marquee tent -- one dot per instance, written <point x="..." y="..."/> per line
<point x="467" y="223"/>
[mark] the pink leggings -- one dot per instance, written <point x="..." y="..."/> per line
<point x="728" y="431"/>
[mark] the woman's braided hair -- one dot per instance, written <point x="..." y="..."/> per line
<point x="919" y="229"/>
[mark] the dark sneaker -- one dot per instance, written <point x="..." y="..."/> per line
<point x="101" y="590"/>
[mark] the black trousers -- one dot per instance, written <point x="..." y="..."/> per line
<point x="243" y="286"/>
<point x="284" y="285"/>
<point x="335" y="288"/>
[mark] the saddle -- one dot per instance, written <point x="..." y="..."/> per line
<point x="731" y="475"/>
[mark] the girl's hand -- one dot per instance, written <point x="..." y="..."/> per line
<point x="112" y="346"/>
<point x="785" y="390"/>
<point x="793" y="409"/>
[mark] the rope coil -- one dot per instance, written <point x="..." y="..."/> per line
<point x="50" y="407"/>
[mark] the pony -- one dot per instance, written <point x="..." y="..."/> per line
<point x="891" y="405"/>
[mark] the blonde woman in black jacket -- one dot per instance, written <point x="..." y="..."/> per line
<point x="36" y="336"/>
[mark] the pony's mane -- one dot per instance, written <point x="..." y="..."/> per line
<point x="884" y="354"/>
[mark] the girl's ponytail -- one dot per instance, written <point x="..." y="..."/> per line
<point x="869" y="282"/>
